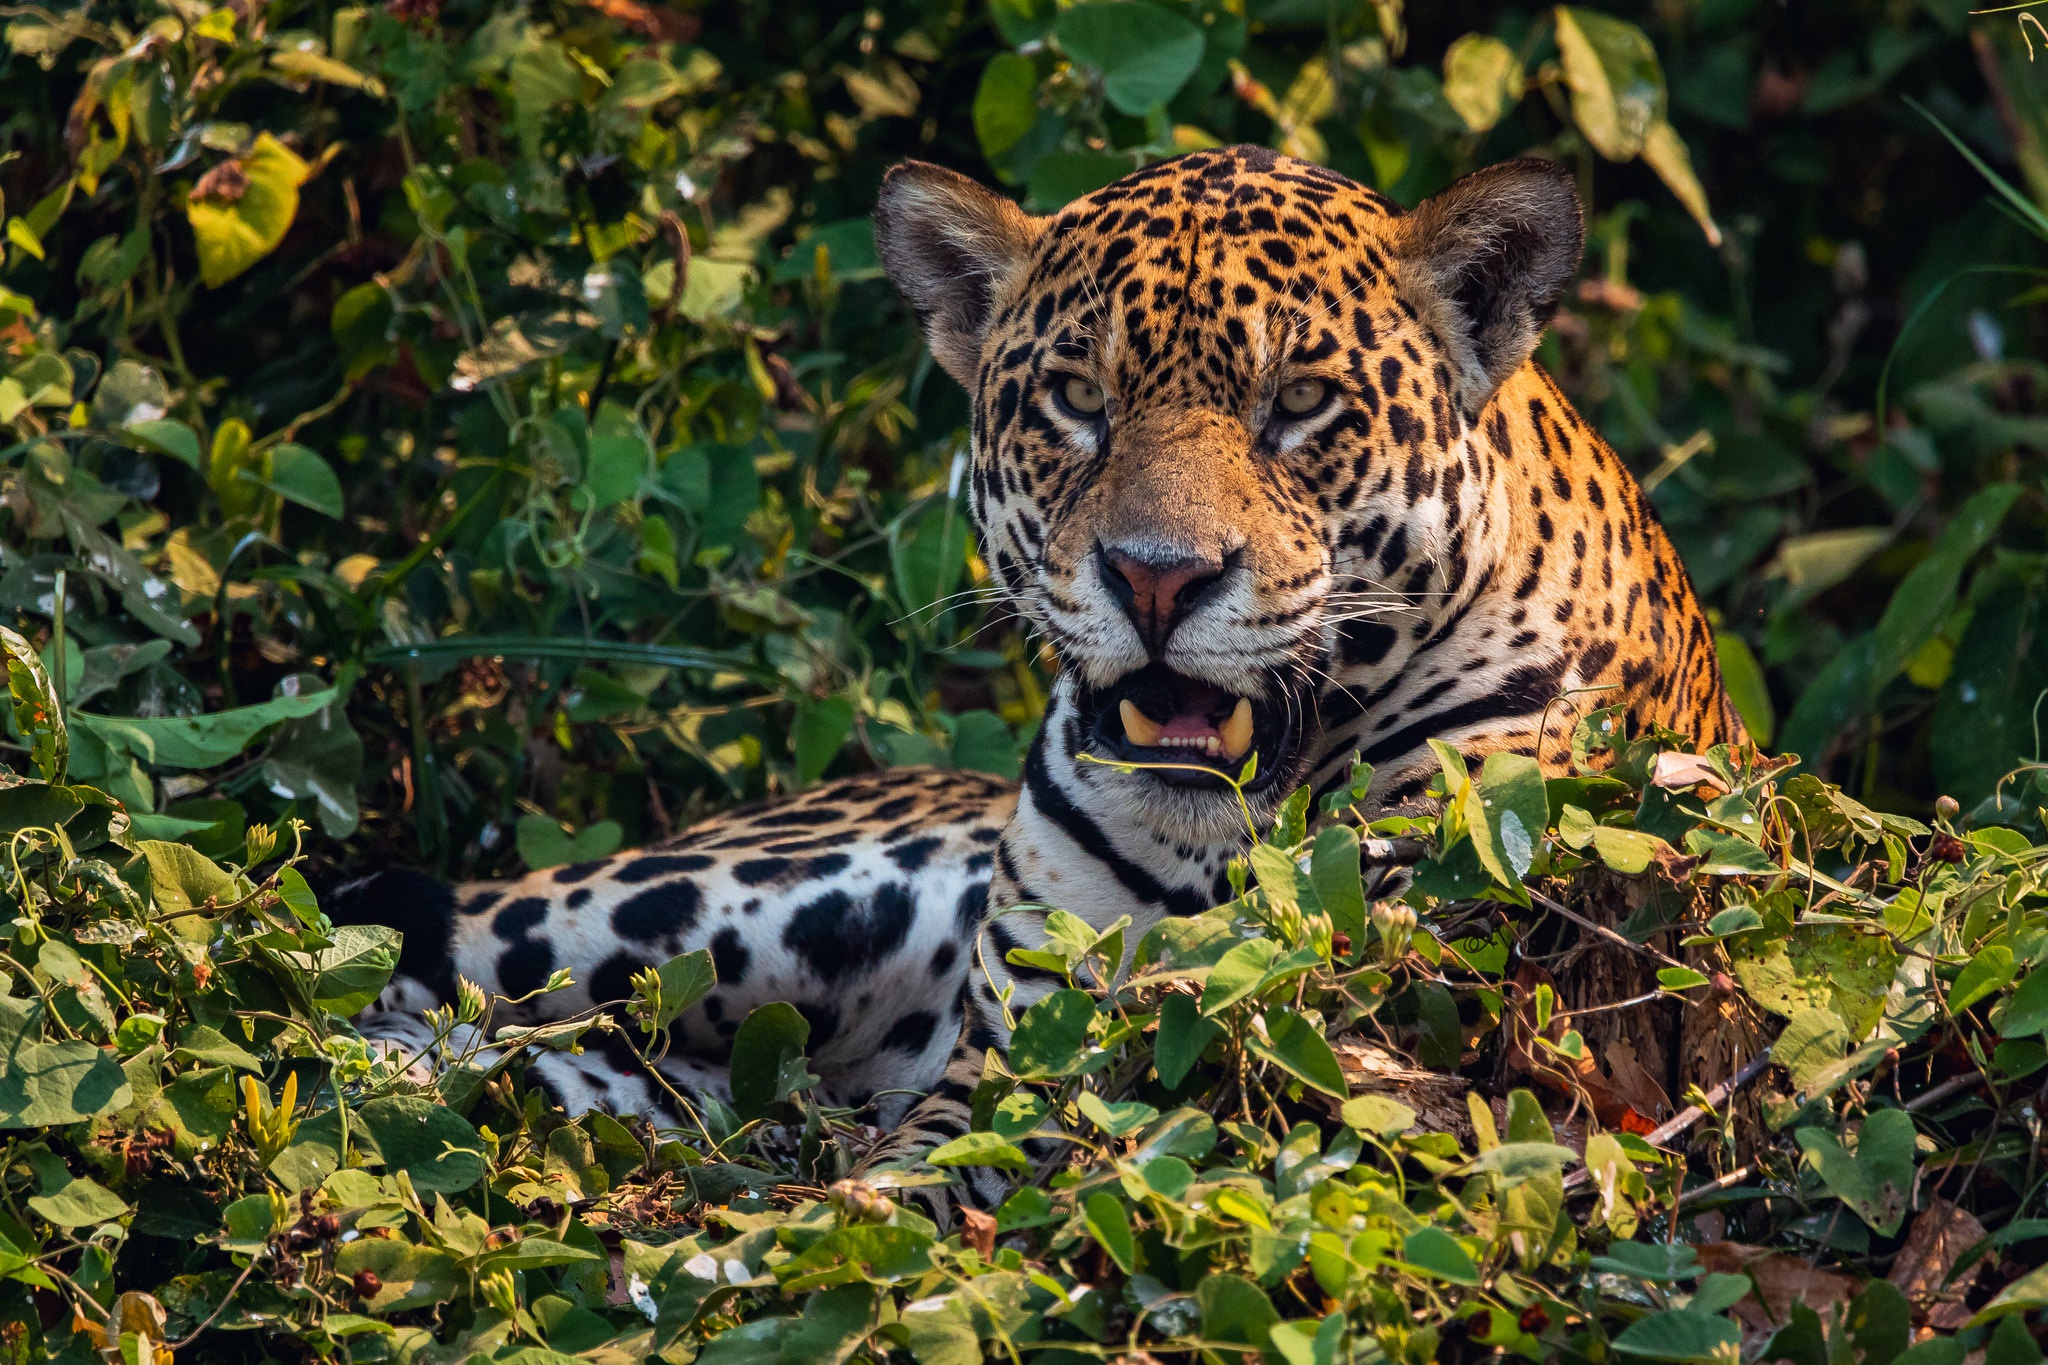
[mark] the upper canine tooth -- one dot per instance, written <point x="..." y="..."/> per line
<point x="1237" y="731"/>
<point x="1140" y="728"/>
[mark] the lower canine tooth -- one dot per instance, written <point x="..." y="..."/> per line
<point x="1237" y="731"/>
<point x="1139" y="728"/>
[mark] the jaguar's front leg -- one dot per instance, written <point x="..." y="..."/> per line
<point x="994" y="992"/>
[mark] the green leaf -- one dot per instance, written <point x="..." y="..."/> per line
<point x="982" y="742"/>
<point x="1436" y="1251"/>
<point x="1482" y="79"/>
<point x="1616" y="83"/>
<point x="928" y="556"/>
<point x="48" y="1085"/>
<point x="1145" y="53"/>
<point x="1844" y="967"/>
<point x="1237" y="974"/>
<point x="1377" y="1114"/>
<point x="1508" y="812"/>
<point x="1679" y="1334"/>
<point x="1983" y="723"/>
<point x="532" y="1253"/>
<point x="1052" y="1036"/>
<point x="37" y="715"/>
<point x="1234" y="1310"/>
<point x="72" y="1201"/>
<point x="37" y="805"/>
<point x="1006" y="103"/>
<point x="542" y="842"/>
<point x="1625" y="850"/>
<point x="300" y="475"/>
<point x="174" y="439"/>
<point x="211" y="1047"/>
<point x="980" y="1149"/>
<point x="1728" y="855"/>
<point x="1333" y="868"/>
<point x="822" y="728"/>
<point x="1743" y="676"/>
<point x="1880" y="1323"/>
<point x="351" y="973"/>
<point x="1810" y="1043"/>
<point x="199" y="741"/>
<point x="1298" y="1047"/>
<point x="1657" y="1262"/>
<point x="1680" y="979"/>
<point x="1060" y="177"/>
<point x="2027" y="1294"/>
<point x="1111" y="1228"/>
<point x="1183" y="1033"/>
<point x="431" y="1143"/>
<point x="181" y="879"/>
<point x="879" y="1254"/>
<point x="413" y="1276"/>
<point x="1874" y="1180"/>
<point x="768" y="1059"/>
<point x="685" y="979"/>
<point x="1988" y="971"/>
<point x="1926" y="595"/>
<point x="1515" y="1162"/>
<point x="1118" y="1118"/>
<point x="2026" y="1014"/>
<point x="238" y="227"/>
<point x="319" y="758"/>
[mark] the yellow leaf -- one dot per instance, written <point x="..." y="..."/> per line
<point x="235" y="231"/>
<point x="1665" y="150"/>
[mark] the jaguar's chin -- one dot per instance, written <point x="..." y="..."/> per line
<point x="1188" y="732"/>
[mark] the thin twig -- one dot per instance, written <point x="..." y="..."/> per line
<point x="1576" y="918"/>
<point x="233" y="1289"/>
<point x="1734" y="1177"/>
<point x="1966" y="1081"/>
<point x="1685" y="1118"/>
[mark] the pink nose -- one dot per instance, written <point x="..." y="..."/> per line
<point x="1156" y="593"/>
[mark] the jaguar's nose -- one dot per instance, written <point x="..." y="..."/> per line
<point x="1158" y="591"/>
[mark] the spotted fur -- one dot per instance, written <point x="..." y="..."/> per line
<point x="1439" y="547"/>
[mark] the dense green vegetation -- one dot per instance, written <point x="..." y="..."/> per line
<point x="475" y="438"/>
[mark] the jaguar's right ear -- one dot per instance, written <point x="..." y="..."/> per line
<point x="951" y="247"/>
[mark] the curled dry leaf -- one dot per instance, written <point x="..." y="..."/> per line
<point x="1780" y="1280"/>
<point x="1938" y="1237"/>
<point x="1680" y="771"/>
<point x="224" y="184"/>
<point x="978" y="1230"/>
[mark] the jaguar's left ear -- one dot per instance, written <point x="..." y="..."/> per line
<point x="1489" y="258"/>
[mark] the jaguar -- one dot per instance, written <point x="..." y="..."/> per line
<point x="1267" y="462"/>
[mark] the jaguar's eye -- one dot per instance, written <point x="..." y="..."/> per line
<point x="1303" y="397"/>
<point x="1080" y="397"/>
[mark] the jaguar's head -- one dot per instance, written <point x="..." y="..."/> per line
<point x="1207" y="399"/>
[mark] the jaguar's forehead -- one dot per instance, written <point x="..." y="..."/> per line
<point x="1241" y="190"/>
<point x="1237" y="255"/>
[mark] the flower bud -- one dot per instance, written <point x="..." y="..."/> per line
<point x="469" y="1000"/>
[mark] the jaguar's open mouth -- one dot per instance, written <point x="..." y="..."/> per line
<point x="1156" y="715"/>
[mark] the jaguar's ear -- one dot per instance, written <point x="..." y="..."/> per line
<point x="1490" y="257"/>
<point x="951" y="247"/>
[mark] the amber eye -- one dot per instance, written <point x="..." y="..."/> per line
<point x="1303" y="397"/>
<point x="1080" y="397"/>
